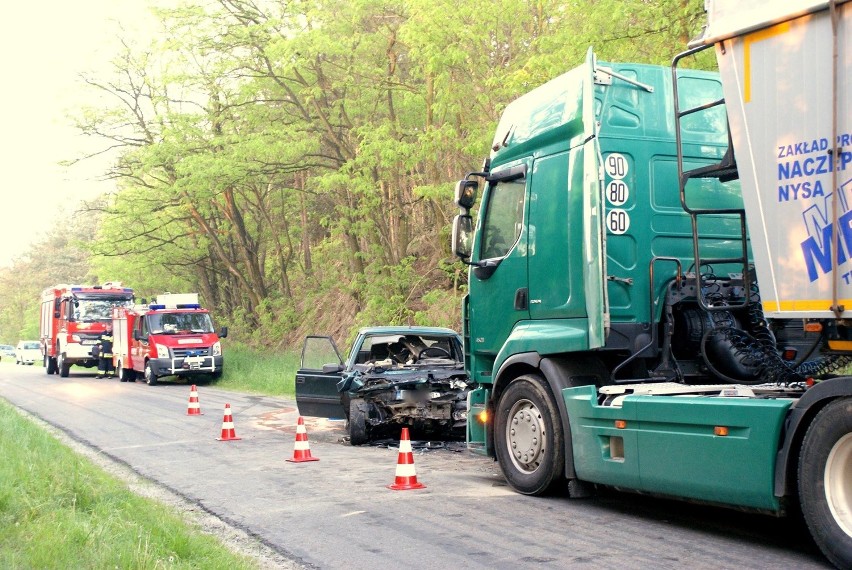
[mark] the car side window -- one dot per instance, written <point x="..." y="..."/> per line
<point x="504" y="218"/>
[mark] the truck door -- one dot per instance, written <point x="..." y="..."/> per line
<point x="499" y="292"/>
<point x="317" y="378"/>
<point x="139" y="344"/>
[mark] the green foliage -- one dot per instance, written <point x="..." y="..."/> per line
<point x="57" y="510"/>
<point x="62" y="257"/>
<point x="292" y="162"/>
<point x="247" y="370"/>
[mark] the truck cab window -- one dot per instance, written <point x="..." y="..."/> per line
<point x="504" y="218"/>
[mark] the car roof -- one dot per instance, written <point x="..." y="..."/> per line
<point x="390" y="330"/>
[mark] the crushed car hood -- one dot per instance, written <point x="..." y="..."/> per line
<point x="380" y="377"/>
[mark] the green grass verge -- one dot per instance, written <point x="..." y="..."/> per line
<point x="58" y="510"/>
<point x="248" y="371"/>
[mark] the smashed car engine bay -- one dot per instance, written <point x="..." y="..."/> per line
<point x="429" y="396"/>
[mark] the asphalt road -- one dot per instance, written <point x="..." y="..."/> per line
<point x="338" y="513"/>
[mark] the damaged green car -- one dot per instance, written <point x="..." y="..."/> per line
<point x="393" y="377"/>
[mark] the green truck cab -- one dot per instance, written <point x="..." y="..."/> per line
<point x="625" y="324"/>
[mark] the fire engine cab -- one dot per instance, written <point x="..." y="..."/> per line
<point x="73" y="318"/>
<point x="172" y="337"/>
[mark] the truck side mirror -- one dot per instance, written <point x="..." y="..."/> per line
<point x="223" y="333"/>
<point x="462" y="232"/>
<point x="466" y="193"/>
<point x="136" y="335"/>
<point x="332" y="368"/>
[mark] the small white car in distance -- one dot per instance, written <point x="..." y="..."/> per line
<point x="28" y="352"/>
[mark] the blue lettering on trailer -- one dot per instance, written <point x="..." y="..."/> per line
<point x="817" y="248"/>
<point x="813" y="165"/>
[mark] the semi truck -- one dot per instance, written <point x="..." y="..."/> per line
<point x="174" y="336"/>
<point x="659" y="274"/>
<point x="72" y="320"/>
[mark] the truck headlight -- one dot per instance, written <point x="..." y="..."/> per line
<point x="217" y="348"/>
<point x="162" y="351"/>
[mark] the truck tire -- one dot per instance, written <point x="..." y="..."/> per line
<point x="125" y="375"/>
<point x="150" y="377"/>
<point x="359" y="432"/>
<point x="825" y="481"/>
<point x="528" y="438"/>
<point x="49" y="365"/>
<point x="62" y="365"/>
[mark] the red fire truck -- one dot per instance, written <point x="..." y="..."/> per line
<point x="73" y="318"/>
<point x="172" y="337"/>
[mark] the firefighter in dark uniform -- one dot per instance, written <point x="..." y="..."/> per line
<point x="104" y="350"/>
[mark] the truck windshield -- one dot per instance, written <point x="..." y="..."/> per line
<point x="179" y="323"/>
<point x="89" y="310"/>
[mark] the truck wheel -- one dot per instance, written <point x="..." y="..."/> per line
<point x="150" y="377"/>
<point x="528" y="437"/>
<point x="358" y="430"/>
<point x="49" y="365"/>
<point x="825" y="481"/>
<point x="124" y="375"/>
<point x="62" y="365"/>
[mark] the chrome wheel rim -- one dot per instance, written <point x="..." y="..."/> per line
<point x="526" y="436"/>
<point x="838" y="483"/>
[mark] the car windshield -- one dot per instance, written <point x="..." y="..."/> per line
<point x="179" y="323"/>
<point x="31" y="346"/>
<point x="408" y="347"/>
<point x="90" y="310"/>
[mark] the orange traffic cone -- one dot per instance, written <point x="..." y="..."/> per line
<point x="228" y="432"/>
<point x="406" y="478"/>
<point x="193" y="408"/>
<point x="302" y="449"/>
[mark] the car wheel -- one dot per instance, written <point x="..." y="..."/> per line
<point x="528" y="439"/>
<point x="150" y="377"/>
<point x="358" y="429"/>
<point x="63" y="365"/>
<point x="825" y="481"/>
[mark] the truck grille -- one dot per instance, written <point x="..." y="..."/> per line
<point x="88" y="338"/>
<point x="194" y="351"/>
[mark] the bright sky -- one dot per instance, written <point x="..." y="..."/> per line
<point x="43" y="49"/>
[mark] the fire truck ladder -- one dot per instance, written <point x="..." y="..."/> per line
<point x="724" y="171"/>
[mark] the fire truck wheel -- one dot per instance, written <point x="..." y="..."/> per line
<point x="124" y="375"/>
<point x="150" y="377"/>
<point x="50" y="365"/>
<point x="63" y="365"/>
<point x="528" y="440"/>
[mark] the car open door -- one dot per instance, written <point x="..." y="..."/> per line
<point x="317" y="378"/>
